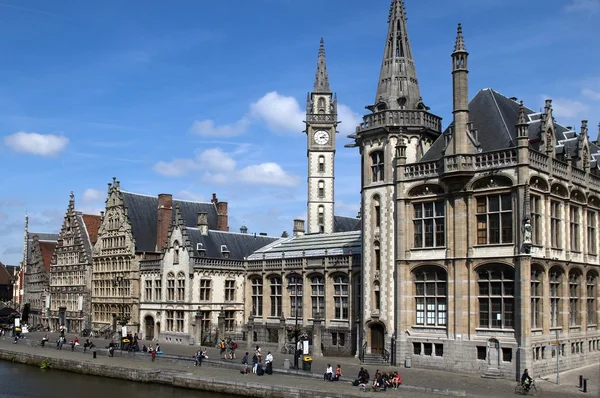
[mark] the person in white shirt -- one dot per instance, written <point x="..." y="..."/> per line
<point x="328" y="373"/>
<point x="269" y="362"/>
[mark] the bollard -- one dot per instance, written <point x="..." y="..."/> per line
<point x="580" y="381"/>
<point x="94" y="355"/>
<point x="585" y="385"/>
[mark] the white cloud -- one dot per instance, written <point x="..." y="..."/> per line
<point x="567" y="107"/>
<point x="583" y="6"/>
<point x="591" y="94"/>
<point x="220" y="168"/>
<point x="268" y="174"/>
<point x="280" y="113"/>
<point x="36" y="144"/>
<point x="208" y="128"/>
<point x="187" y="195"/>
<point x="346" y="209"/>
<point x="92" y="195"/>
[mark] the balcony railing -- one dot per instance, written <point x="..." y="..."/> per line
<point x="401" y="118"/>
<point x="321" y="117"/>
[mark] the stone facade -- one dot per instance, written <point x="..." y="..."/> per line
<point x="71" y="271"/>
<point x="36" y="286"/>
<point x="488" y="254"/>
<point x="195" y="292"/>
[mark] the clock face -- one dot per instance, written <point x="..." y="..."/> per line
<point x="321" y="137"/>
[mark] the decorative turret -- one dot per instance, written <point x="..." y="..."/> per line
<point x="522" y="126"/>
<point x="547" y="126"/>
<point x="584" y="145"/>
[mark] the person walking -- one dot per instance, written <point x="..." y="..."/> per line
<point x="153" y="353"/>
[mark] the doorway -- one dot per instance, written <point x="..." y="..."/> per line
<point x="149" y="323"/>
<point x="377" y="338"/>
<point x="494" y="354"/>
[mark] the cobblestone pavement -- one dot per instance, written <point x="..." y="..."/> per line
<point x="474" y="385"/>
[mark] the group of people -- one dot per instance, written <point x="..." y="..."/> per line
<point x="228" y="348"/>
<point x="199" y="356"/>
<point x="380" y="382"/>
<point x="257" y="362"/>
<point x="330" y="375"/>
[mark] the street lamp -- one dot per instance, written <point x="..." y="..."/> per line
<point x="293" y="284"/>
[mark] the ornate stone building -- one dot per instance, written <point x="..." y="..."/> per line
<point x="195" y="291"/>
<point x="487" y="258"/>
<point x="71" y="271"/>
<point x="135" y="227"/>
<point x="39" y="248"/>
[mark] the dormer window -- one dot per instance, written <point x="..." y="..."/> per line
<point x="224" y="251"/>
<point x="200" y="250"/>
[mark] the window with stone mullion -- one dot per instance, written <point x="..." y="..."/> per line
<point x="276" y="295"/>
<point x="591" y="232"/>
<point x="536" y="300"/>
<point x="496" y="298"/>
<point x="574" y="227"/>
<point x="574" y="318"/>
<point x="556" y="232"/>
<point x="318" y="296"/>
<point x="536" y="204"/>
<point x="257" y="297"/>
<point x="340" y="297"/>
<point x="170" y="287"/>
<point x="494" y="219"/>
<point x="295" y="290"/>
<point x="428" y="221"/>
<point x="170" y="315"/>
<point x="555" y="282"/>
<point x="591" y="298"/>
<point x="430" y="298"/>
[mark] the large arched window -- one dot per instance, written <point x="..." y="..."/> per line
<point x="257" y="296"/>
<point x="317" y="284"/>
<point x="555" y="279"/>
<point x="537" y="295"/>
<point x="592" y="293"/>
<point x="377" y="166"/>
<point x="496" y="296"/>
<point x="340" y="296"/>
<point x="276" y="295"/>
<point x="430" y="296"/>
<point x="170" y="287"/>
<point x="574" y="297"/>
<point x="181" y="286"/>
<point x="295" y="290"/>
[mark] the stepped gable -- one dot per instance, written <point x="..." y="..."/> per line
<point x="494" y="116"/>
<point x="312" y="245"/>
<point x="238" y="244"/>
<point x="42" y="237"/>
<point x="142" y="212"/>
<point x="346" y="224"/>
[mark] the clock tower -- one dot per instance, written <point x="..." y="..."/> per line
<point x="321" y="121"/>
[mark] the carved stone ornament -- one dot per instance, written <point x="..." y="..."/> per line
<point x="527" y="230"/>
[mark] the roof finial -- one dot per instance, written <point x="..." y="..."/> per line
<point x="321" y="77"/>
<point x="460" y="40"/>
<point x="522" y="119"/>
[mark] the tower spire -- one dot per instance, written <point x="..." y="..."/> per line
<point x="398" y="87"/>
<point x="321" y="78"/>
<point x="459" y="46"/>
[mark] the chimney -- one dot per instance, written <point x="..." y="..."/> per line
<point x="222" y="218"/>
<point x="298" y="227"/>
<point x="164" y="219"/>
<point x="263" y="234"/>
<point x="203" y="223"/>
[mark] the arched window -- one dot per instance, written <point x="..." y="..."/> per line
<point x="321" y="105"/>
<point x="321" y="164"/>
<point x="295" y="289"/>
<point x="574" y="227"/>
<point x="430" y="296"/>
<point x="318" y="295"/>
<point x="321" y="189"/>
<point x="537" y="295"/>
<point x="574" y="297"/>
<point x="592" y="293"/>
<point x="170" y="287"/>
<point x="340" y="296"/>
<point x="376" y="296"/>
<point x="376" y="256"/>
<point x="181" y="286"/>
<point x="321" y="219"/>
<point x="276" y="295"/>
<point x="176" y="252"/>
<point x="496" y="296"/>
<point x="555" y="279"/>
<point x="257" y="296"/>
<point x="376" y="211"/>
<point x="377" y="166"/>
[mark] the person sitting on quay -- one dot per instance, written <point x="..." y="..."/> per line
<point x="328" y="373"/>
<point x="88" y="344"/>
<point x="362" y="378"/>
<point x="144" y="348"/>
<point x="395" y="380"/>
<point x="44" y="340"/>
<point x="111" y="349"/>
<point x="338" y="373"/>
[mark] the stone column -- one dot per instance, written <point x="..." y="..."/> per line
<point x="317" y="336"/>
<point x="221" y="324"/>
<point x="198" y="328"/>
<point x="282" y="333"/>
<point x="250" y="334"/>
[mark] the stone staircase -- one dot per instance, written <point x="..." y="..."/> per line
<point x="374" y="359"/>
<point x="492" y="373"/>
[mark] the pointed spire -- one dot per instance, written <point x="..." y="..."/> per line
<point x="398" y="87"/>
<point x="71" y="201"/>
<point x="321" y="78"/>
<point x="522" y="126"/>
<point x="459" y="46"/>
<point x="584" y="128"/>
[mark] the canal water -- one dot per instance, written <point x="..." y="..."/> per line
<point x="25" y="381"/>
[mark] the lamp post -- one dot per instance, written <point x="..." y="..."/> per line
<point x="118" y="282"/>
<point x="293" y="283"/>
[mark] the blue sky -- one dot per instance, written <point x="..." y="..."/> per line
<point x="195" y="97"/>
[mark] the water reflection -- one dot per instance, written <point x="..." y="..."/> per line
<point x="24" y="381"/>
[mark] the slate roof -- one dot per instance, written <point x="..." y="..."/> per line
<point x="42" y="237"/>
<point x="142" y="211"/>
<point x="47" y="249"/>
<point x="5" y="275"/>
<point x="312" y="245"/>
<point x="495" y="116"/>
<point x="13" y="270"/>
<point x="346" y="224"/>
<point x="239" y="245"/>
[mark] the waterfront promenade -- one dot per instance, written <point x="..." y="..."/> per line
<point x="177" y="360"/>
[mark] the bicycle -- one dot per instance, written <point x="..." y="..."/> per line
<point x="533" y="389"/>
